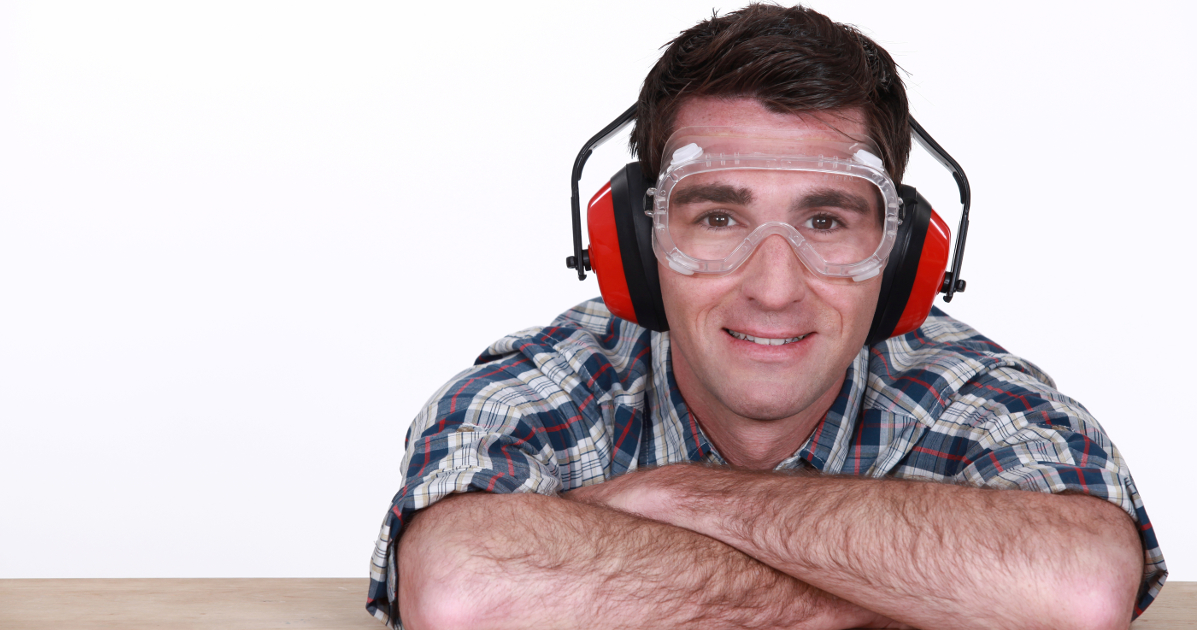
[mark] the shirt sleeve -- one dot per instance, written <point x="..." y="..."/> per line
<point x="475" y="434"/>
<point x="1008" y="427"/>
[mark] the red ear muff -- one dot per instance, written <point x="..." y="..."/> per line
<point x="928" y="280"/>
<point x="915" y="271"/>
<point x="604" y="255"/>
<point x="621" y="252"/>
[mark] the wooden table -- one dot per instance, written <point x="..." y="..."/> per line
<point x="1176" y="607"/>
<point x="260" y="604"/>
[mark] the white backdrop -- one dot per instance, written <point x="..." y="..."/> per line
<point x="242" y="242"/>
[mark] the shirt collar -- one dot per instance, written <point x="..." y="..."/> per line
<point x="828" y="445"/>
<point x="674" y="427"/>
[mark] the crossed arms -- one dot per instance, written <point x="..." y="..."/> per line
<point x="689" y="546"/>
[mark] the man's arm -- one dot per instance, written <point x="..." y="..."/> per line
<point x="928" y="554"/>
<point x="482" y="561"/>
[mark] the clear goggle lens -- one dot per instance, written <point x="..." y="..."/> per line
<point x="714" y="214"/>
<point x="724" y="190"/>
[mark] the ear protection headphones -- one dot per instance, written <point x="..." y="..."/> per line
<point x="621" y="251"/>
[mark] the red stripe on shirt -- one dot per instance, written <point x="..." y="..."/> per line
<point x="939" y="454"/>
<point x="929" y="389"/>
<point x="884" y="364"/>
<point x="596" y="374"/>
<point x="453" y="402"/>
<point x="1081" y="477"/>
<point x="694" y="431"/>
<point x="817" y="433"/>
<point x="1026" y="403"/>
<point x="427" y="451"/>
<point x="626" y="427"/>
<point x="562" y="427"/>
<point x="510" y="462"/>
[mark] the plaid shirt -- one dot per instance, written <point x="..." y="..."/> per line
<point x="592" y="397"/>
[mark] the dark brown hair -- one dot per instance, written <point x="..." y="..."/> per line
<point x="791" y="60"/>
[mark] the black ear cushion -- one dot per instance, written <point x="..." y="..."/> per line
<point x="897" y="280"/>
<point x="635" y="230"/>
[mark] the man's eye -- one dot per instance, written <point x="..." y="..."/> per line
<point x="716" y="220"/>
<point x="822" y="223"/>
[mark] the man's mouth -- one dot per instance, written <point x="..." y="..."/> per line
<point x="765" y="341"/>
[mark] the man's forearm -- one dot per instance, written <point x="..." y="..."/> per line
<point x="519" y="561"/>
<point x="932" y="555"/>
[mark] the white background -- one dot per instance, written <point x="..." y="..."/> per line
<point x="242" y="242"/>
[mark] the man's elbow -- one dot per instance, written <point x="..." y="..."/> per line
<point x="459" y="592"/>
<point x="435" y="579"/>
<point x="1103" y="595"/>
<point x="434" y="605"/>
<point x="1095" y="605"/>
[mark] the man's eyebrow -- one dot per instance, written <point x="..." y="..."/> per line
<point x="830" y="197"/>
<point x="716" y="193"/>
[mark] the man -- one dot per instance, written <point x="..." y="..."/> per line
<point x="759" y="465"/>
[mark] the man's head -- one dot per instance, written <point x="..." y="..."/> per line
<point x="791" y="60"/>
<point x="771" y="339"/>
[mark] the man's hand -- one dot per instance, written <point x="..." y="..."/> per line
<point x="634" y="493"/>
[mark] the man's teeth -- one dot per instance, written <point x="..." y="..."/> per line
<point x="764" y="341"/>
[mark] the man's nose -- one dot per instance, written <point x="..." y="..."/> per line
<point x="774" y="278"/>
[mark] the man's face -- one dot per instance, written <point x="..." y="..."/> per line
<point x="772" y="296"/>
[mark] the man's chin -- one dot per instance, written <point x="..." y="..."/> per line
<point x="769" y="409"/>
<point x="778" y="396"/>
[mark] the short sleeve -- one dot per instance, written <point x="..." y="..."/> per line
<point x="1008" y="428"/>
<point x="475" y="434"/>
<point x="543" y="410"/>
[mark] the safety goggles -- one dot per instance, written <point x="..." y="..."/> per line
<point x="722" y="191"/>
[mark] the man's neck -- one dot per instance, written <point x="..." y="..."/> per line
<point x="752" y="443"/>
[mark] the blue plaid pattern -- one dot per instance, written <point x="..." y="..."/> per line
<point x="591" y="397"/>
